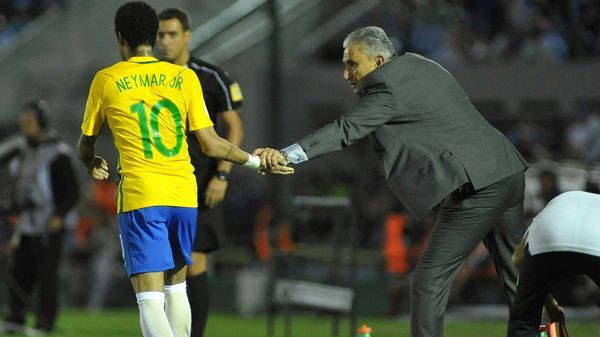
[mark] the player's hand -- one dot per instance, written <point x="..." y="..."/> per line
<point x="555" y="313"/>
<point x="270" y="158"/>
<point x="98" y="168"/>
<point x="562" y="324"/>
<point x="273" y="161"/>
<point x="215" y="192"/>
<point x="281" y="169"/>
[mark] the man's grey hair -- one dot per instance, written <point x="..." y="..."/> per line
<point x="373" y="40"/>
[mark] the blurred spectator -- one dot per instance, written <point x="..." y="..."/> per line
<point x="530" y="139"/>
<point x="576" y="137"/>
<point x="586" y="30"/>
<point x="96" y="255"/>
<point x="436" y="32"/>
<point x="583" y="137"/>
<point x="45" y="194"/>
<point x="16" y="14"/>
<point x="458" y="31"/>
<point x="548" y="186"/>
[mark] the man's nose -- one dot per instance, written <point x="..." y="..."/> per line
<point x="346" y="74"/>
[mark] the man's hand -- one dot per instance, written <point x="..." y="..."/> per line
<point x="553" y="312"/>
<point x="273" y="161"/>
<point x="55" y="224"/>
<point x="98" y="168"/>
<point x="215" y="192"/>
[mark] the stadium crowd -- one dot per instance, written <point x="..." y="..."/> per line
<point x="455" y="32"/>
<point x="16" y="15"/>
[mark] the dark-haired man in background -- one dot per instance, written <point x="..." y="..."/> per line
<point x="45" y="194"/>
<point x="223" y="98"/>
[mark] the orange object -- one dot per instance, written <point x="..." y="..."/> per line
<point x="394" y="248"/>
<point x="552" y="330"/>
<point x="284" y="237"/>
<point x="83" y="228"/>
<point x="105" y="193"/>
<point x="261" y="233"/>
<point x="364" y="331"/>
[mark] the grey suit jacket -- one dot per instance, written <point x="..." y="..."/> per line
<point x="429" y="138"/>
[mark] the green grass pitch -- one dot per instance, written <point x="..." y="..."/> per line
<point x="124" y="323"/>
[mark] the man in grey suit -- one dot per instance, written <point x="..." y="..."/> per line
<point x="438" y="154"/>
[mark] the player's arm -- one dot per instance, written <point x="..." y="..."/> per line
<point x="96" y="166"/>
<point x="211" y="143"/>
<point x="93" y="119"/>
<point x="235" y="134"/>
<point x="519" y="252"/>
<point x="217" y="186"/>
<point x="377" y="107"/>
<point x="216" y="147"/>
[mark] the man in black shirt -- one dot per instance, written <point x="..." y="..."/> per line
<point x="223" y="98"/>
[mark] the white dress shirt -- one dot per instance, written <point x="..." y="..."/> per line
<point x="295" y="153"/>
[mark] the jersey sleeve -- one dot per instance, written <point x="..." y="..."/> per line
<point x="94" y="114"/>
<point x="198" y="117"/>
<point x="228" y="93"/>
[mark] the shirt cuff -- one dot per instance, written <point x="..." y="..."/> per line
<point x="295" y="153"/>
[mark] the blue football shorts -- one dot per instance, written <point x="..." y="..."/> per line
<point x="155" y="239"/>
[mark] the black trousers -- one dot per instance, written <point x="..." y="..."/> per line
<point x="539" y="274"/>
<point x="34" y="264"/>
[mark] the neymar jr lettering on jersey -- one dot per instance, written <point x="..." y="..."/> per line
<point x="147" y="80"/>
<point x="149" y="106"/>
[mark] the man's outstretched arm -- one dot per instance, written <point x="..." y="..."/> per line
<point x="216" y="147"/>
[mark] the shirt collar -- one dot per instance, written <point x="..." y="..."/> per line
<point x="143" y="59"/>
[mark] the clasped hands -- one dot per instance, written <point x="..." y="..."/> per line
<point x="272" y="161"/>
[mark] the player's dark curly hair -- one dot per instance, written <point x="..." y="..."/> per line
<point x="138" y="23"/>
<point x="176" y="13"/>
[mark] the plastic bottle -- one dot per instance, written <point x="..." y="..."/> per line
<point x="364" y="331"/>
<point x="543" y="329"/>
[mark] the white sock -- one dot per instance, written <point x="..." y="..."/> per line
<point x="178" y="310"/>
<point x="153" y="318"/>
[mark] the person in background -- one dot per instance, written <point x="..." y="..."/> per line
<point x="562" y="241"/>
<point x="223" y="98"/>
<point x="45" y="196"/>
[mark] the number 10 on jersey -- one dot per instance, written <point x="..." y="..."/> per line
<point x="150" y="130"/>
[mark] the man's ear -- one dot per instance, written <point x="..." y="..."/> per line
<point x="379" y="60"/>
<point x="120" y="39"/>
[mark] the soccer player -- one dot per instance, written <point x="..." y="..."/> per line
<point x="149" y="106"/>
<point x="223" y="98"/>
<point x="562" y="241"/>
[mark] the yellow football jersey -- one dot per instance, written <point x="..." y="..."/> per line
<point x="149" y="105"/>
